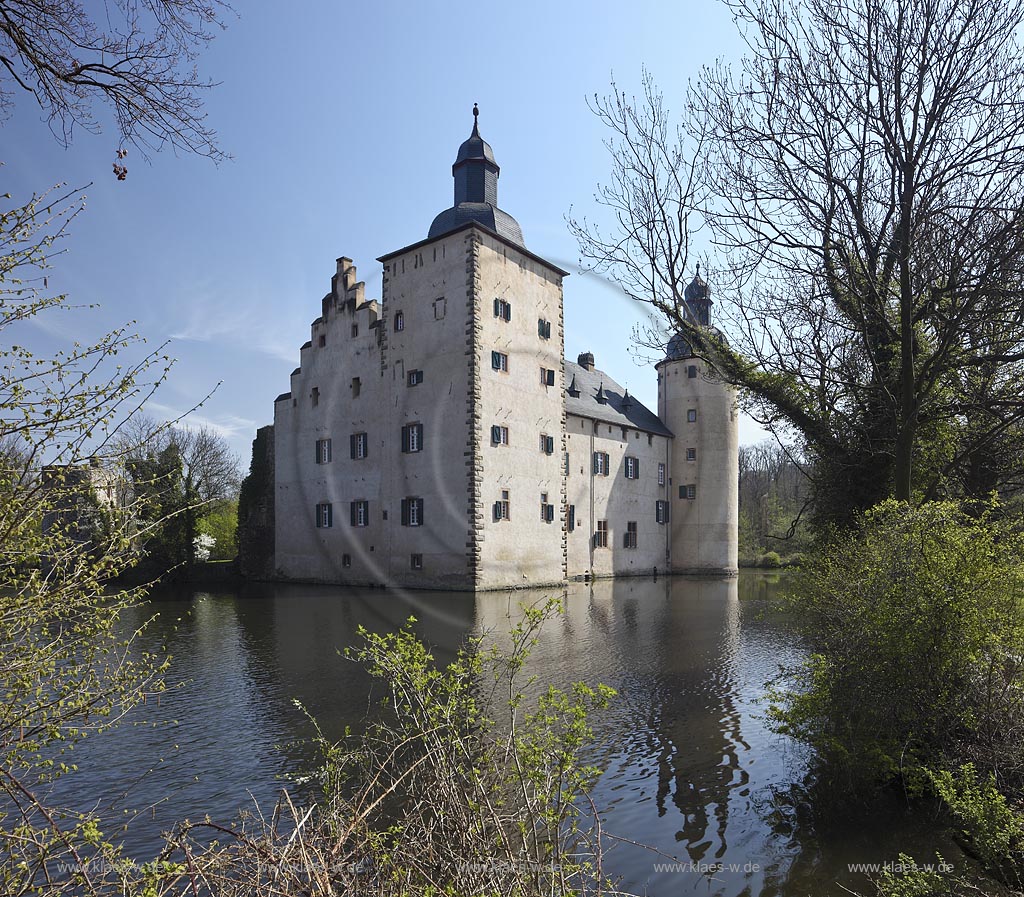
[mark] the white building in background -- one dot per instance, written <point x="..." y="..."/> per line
<point x="438" y="439"/>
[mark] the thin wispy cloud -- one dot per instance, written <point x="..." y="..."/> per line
<point x="228" y="426"/>
<point x="208" y="317"/>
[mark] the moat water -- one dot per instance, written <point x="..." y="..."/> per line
<point x="690" y="766"/>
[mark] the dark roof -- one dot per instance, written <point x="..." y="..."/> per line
<point x="468" y="224"/>
<point x="282" y="397"/>
<point x="476" y="191"/>
<point x="613" y="411"/>
<point x="678" y="347"/>
<point x="483" y="213"/>
<point x="475" y="147"/>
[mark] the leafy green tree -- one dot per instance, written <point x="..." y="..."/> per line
<point x="222" y="524"/>
<point x="916" y="631"/>
<point x="157" y="482"/>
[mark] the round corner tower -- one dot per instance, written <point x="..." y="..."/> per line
<point x="702" y="413"/>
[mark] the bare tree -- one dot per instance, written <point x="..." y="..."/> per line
<point x="137" y="56"/>
<point x="861" y="177"/>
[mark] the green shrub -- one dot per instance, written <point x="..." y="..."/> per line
<point x="458" y="788"/>
<point x="908" y="879"/>
<point x="994" y="831"/>
<point x="770" y="559"/>
<point x="917" y="636"/>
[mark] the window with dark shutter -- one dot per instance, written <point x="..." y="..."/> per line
<point x="412" y="438"/>
<point x="495" y="435"/>
<point x="571" y="523"/>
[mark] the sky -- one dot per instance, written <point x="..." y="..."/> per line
<point x="342" y="121"/>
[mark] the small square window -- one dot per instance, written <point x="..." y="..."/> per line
<point x="355" y="330"/>
<point x="689" y="491"/>
<point x="499" y="435"/>
<point x="601" y="536"/>
<point x="346" y="560"/>
<point x="499" y="361"/>
<point x="691" y="371"/>
<point x="414" y="378"/>
<point x="322" y="341"/>
<point x="547" y="377"/>
<point x="691" y="415"/>
<point x="502" y="309"/>
<point x="439" y="308"/>
<point x="691" y="454"/>
<point x="630" y="536"/>
<point x="314" y="396"/>
<point x="547" y="444"/>
<point x="357" y="386"/>
<point x="416" y="562"/>
<point x="543" y="328"/>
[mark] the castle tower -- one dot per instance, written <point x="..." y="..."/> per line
<point x="701" y="411"/>
<point x="482" y="330"/>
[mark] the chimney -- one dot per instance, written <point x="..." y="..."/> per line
<point x="586" y="361"/>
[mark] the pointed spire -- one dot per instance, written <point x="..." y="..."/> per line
<point x="573" y="389"/>
<point x="476" y="133"/>
<point x="627" y="399"/>
<point x="601" y="397"/>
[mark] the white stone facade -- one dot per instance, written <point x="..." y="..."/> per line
<point x="438" y="440"/>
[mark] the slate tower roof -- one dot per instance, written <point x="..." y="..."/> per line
<point x="476" y="191"/>
<point x="697" y="298"/>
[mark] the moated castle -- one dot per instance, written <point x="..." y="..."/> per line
<point x="438" y="439"/>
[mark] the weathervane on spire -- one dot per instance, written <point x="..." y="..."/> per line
<point x="476" y="115"/>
